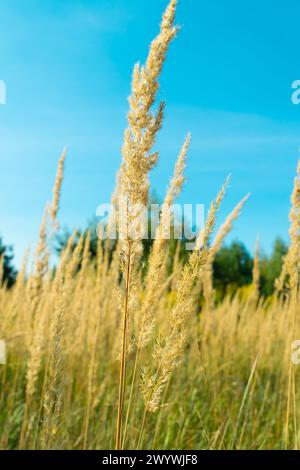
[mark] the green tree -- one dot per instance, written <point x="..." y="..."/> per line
<point x="271" y="266"/>
<point x="232" y="268"/>
<point x="9" y="272"/>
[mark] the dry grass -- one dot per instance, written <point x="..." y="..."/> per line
<point x="98" y="360"/>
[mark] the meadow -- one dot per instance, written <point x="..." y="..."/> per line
<point x="104" y="352"/>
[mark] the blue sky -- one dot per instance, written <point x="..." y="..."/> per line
<point x="67" y="67"/>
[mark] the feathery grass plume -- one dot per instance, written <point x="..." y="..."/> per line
<point x="74" y="262"/>
<point x="140" y="136"/>
<point x="176" y="266"/>
<point x="113" y="219"/>
<point x="99" y="259"/>
<point x="178" y="178"/>
<point x="203" y="239"/>
<point x="57" y="187"/>
<point x="102" y="288"/>
<point x="79" y="317"/>
<point x="33" y="367"/>
<point x="156" y="263"/>
<point x="290" y="267"/>
<point x="226" y="227"/>
<point x="104" y="267"/>
<point x="41" y="263"/>
<point x="36" y="284"/>
<point x="21" y="276"/>
<point x="168" y="351"/>
<point x="293" y="262"/>
<point x="71" y="267"/>
<point x="33" y="300"/>
<point x="67" y="252"/>
<point x="42" y="254"/>
<point x="85" y="260"/>
<point x="143" y="123"/>
<point x="134" y="180"/>
<point x="18" y="291"/>
<point x="53" y="400"/>
<point x="91" y="374"/>
<point x="86" y="252"/>
<point x="213" y="250"/>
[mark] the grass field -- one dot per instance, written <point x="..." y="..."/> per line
<point x="108" y="353"/>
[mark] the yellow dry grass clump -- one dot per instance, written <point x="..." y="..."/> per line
<point x="101" y="355"/>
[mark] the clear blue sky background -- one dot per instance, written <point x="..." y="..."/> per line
<point x="67" y="66"/>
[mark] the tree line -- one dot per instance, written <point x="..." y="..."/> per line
<point x="232" y="266"/>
